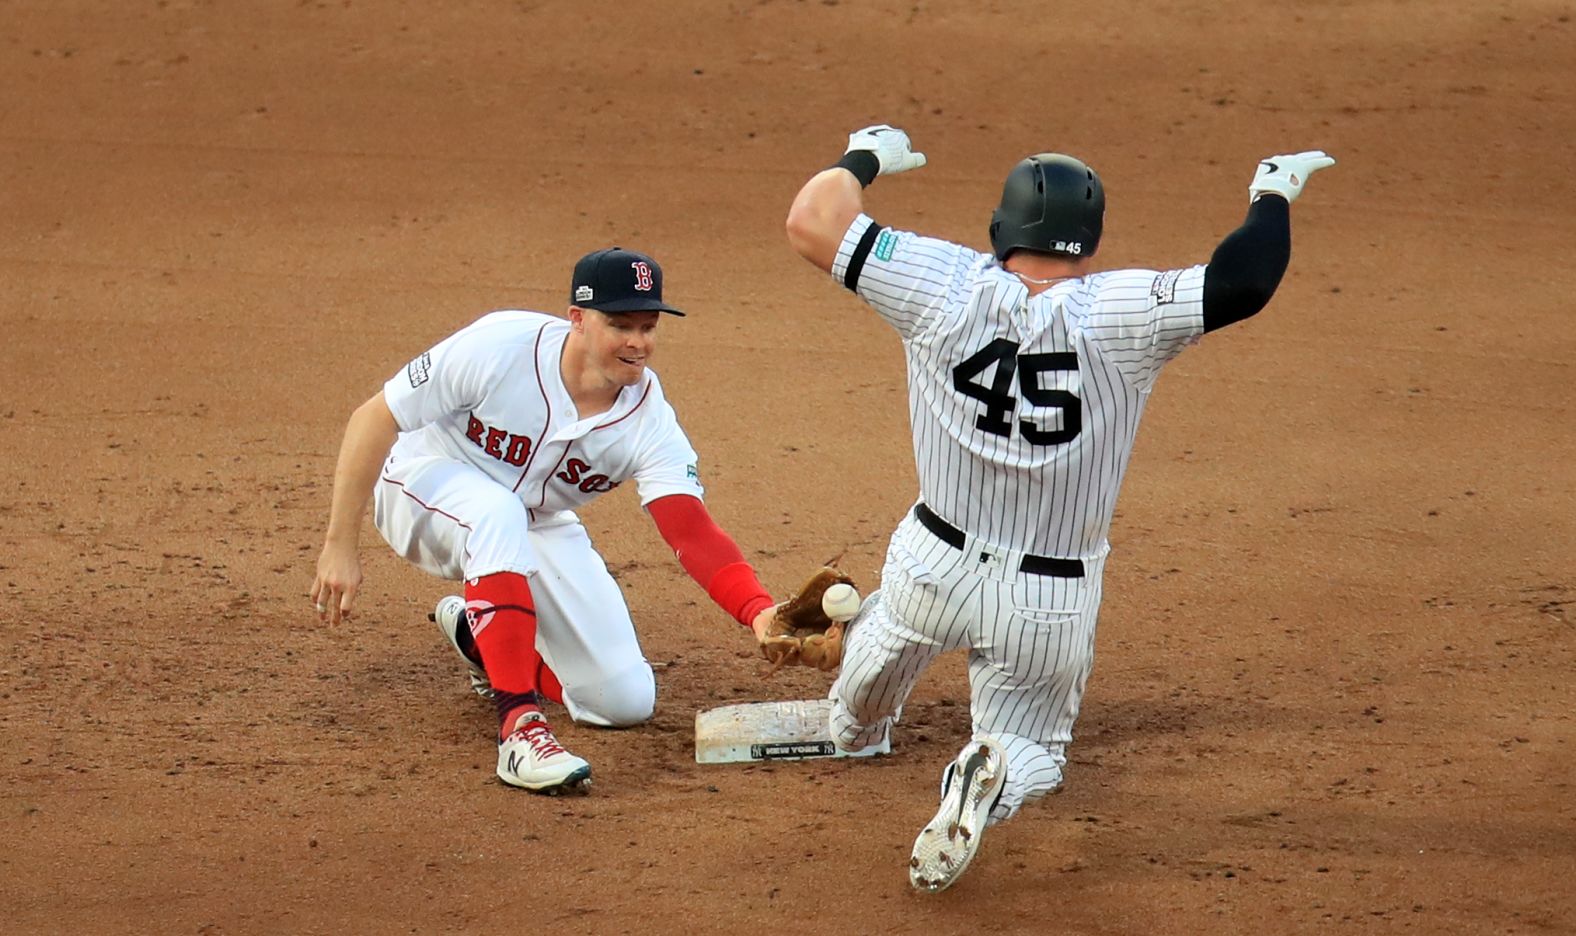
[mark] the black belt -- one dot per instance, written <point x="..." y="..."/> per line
<point x="1031" y="565"/>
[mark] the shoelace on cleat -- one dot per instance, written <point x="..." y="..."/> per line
<point x="540" y="738"/>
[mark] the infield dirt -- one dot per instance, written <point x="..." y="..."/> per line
<point x="1334" y="690"/>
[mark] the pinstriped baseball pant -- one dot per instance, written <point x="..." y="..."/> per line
<point x="1030" y="640"/>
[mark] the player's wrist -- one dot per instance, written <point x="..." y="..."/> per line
<point x="736" y="590"/>
<point x="750" y="614"/>
<point x="864" y="165"/>
<point x="342" y="539"/>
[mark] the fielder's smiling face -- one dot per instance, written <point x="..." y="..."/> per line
<point x="620" y="343"/>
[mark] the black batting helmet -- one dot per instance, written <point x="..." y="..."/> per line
<point x="1051" y="203"/>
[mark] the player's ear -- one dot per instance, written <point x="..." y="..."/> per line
<point x="577" y="319"/>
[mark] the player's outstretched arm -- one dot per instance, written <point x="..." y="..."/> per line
<point x="1247" y="267"/>
<point x="368" y="437"/>
<point x="711" y="557"/>
<point x="833" y="198"/>
<point x="714" y="561"/>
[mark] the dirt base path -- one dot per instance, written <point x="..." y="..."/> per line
<point x="1334" y="689"/>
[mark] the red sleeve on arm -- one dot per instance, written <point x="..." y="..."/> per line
<point x="710" y="556"/>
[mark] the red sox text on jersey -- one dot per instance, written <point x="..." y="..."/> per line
<point x="514" y="449"/>
<point x="491" y="441"/>
<point x="492" y="396"/>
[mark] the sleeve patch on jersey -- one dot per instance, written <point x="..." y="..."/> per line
<point x="692" y="472"/>
<point x="420" y="370"/>
<point x="885" y="244"/>
<point x="1164" y="288"/>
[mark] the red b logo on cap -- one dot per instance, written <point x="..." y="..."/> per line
<point x="642" y="275"/>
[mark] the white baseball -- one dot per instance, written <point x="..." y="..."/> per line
<point x="840" y="602"/>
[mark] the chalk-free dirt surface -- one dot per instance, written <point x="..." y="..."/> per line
<point x="1334" y="690"/>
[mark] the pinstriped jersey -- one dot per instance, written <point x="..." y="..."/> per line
<point x="492" y="395"/>
<point x="1024" y="409"/>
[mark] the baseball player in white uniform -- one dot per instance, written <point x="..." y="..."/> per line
<point x="1028" y="374"/>
<point x="476" y="455"/>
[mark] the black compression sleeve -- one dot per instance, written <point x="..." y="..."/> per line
<point x="1248" y="265"/>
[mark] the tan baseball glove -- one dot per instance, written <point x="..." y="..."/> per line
<point x="800" y="633"/>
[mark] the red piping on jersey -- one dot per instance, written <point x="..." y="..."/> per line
<point x="536" y="357"/>
<point x="567" y="446"/>
<point x="424" y="504"/>
<point x="631" y="412"/>
<point x="428" y="507"/>
<point x="570" y="444"/>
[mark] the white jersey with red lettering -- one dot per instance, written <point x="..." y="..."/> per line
<point x="491" y="461"/>
<point x="1024" y="411"/>
<point x="492" y="395"/>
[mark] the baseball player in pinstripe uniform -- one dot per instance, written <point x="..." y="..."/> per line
<point x="1028" y="373"/>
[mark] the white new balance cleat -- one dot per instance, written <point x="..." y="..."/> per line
<point x="970" y="787"/>
<point x="533" y="759"/>
<point x="450" y="616"/>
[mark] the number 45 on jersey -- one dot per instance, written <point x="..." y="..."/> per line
<point x="1001" y="403"/>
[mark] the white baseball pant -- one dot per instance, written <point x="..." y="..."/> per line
<point x="1030" y="640"/>
<point x="452" y="521"/>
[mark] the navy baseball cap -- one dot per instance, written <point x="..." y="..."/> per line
<point x="618" y="280"/>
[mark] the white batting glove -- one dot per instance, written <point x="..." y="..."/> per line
<point x="890" y="145"/>
<point x="1286" y="175"/>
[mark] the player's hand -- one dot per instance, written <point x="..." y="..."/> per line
<point x="1286" y="175"/>
<point x="890" y="145"/>
<point x="780" y="651"/>
<point x="338" y="577"/>
<point x="762" y="621"/>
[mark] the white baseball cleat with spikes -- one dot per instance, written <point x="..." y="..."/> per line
<point x="532" y="758"/>
<point x="947" y="844"/>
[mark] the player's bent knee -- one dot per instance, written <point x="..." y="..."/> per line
<point x="622" y="701"/>
<point x="503" y="511"/>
